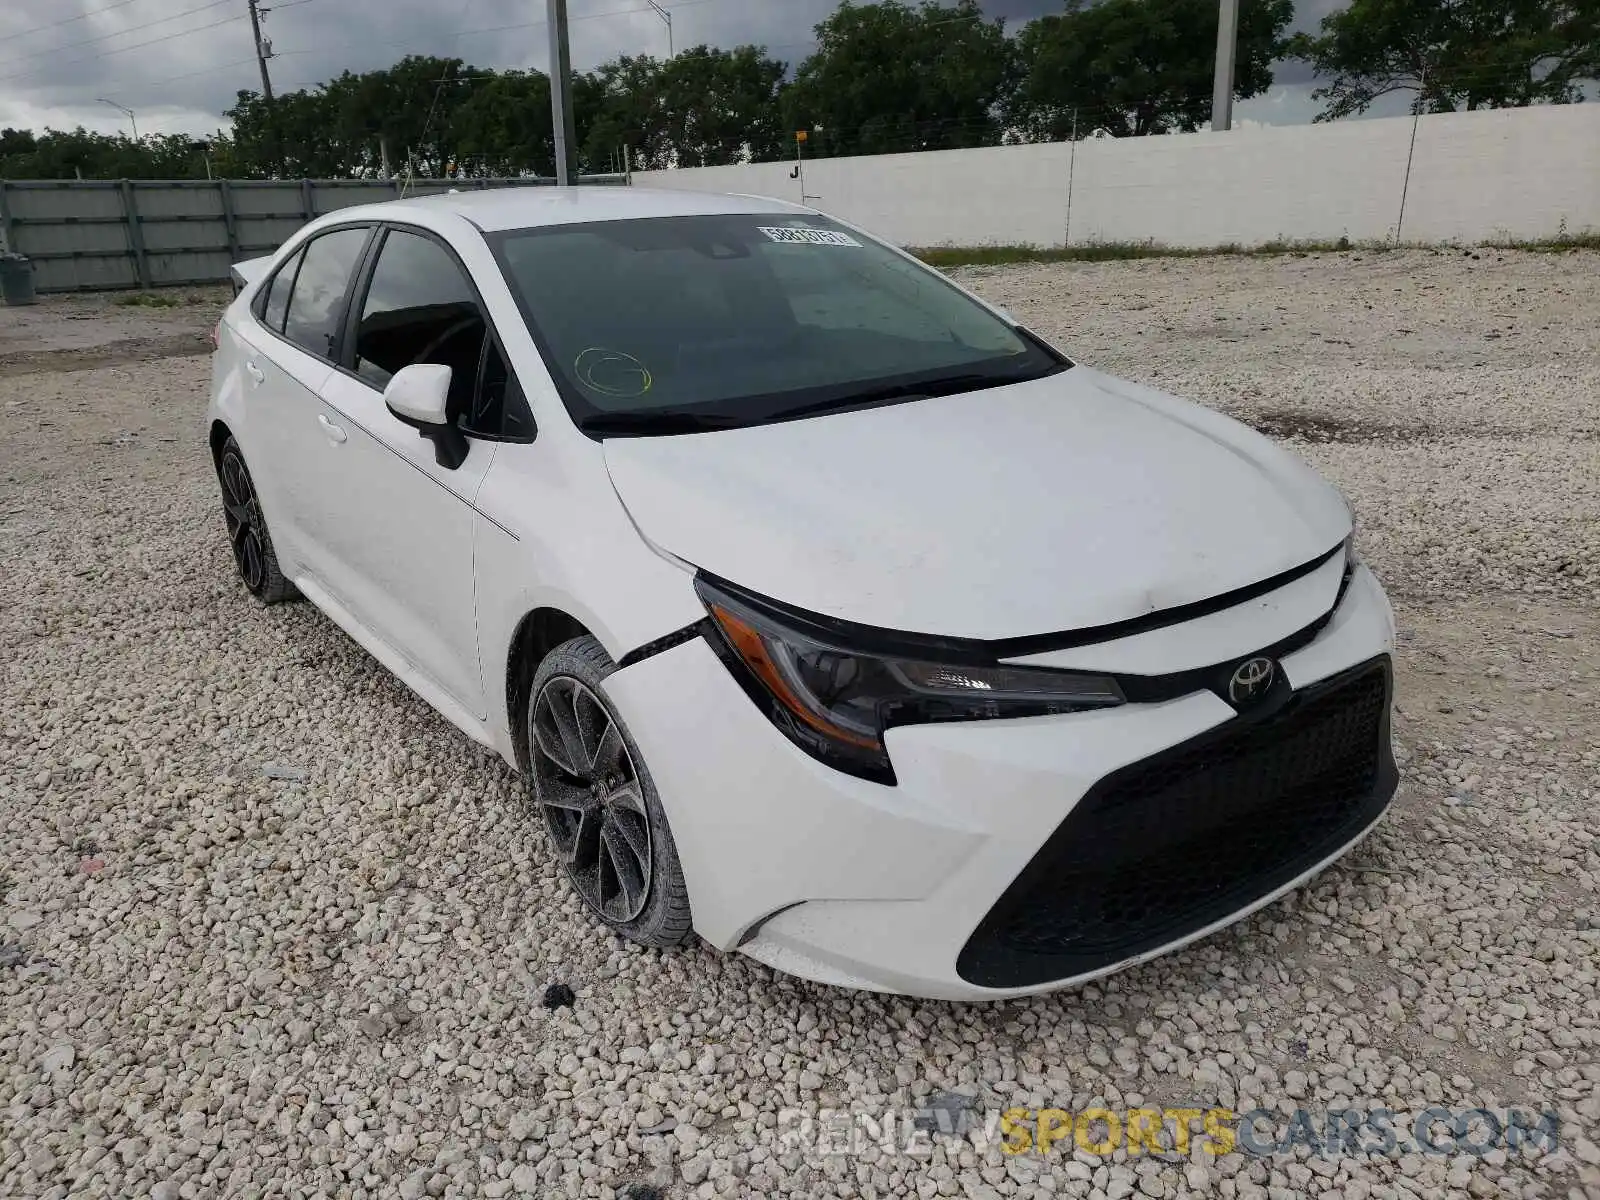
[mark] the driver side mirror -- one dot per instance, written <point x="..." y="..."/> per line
<point x="419" y="396"/>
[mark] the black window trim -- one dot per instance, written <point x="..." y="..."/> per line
<point x="345" y="364"/>
<point x="299" y="257"/>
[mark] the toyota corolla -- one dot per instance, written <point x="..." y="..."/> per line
<point x="827" y="612"/>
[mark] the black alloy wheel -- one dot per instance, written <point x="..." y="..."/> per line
<point x="592" y="799"/>
<point x="247" y="529"/>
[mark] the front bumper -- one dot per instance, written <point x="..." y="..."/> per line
<point x="930" y="887"/>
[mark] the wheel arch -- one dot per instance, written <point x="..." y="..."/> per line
<point x="217" y="437"/>
<point x="537" y="633"/>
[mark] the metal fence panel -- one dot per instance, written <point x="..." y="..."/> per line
<point x="184" y="231"/>
<point x="266" y="214"/>
<point x="76" y="235"/>
<point x="95" y="234"/>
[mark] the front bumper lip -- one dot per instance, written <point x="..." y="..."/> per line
<point x="795" y="957"/>
<point x="862" y="885"/>
<point x="1194" y="834"/>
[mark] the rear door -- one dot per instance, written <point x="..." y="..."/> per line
<point x="303" y="318"/>
<point x="270" y="392"/>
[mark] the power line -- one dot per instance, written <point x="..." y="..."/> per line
<point x="106" y="37"/>
<point x="66" y="21"/>
<point x="166" y="79"/>
<point x="123" y="49"/>
<point x="621" y="12"/>
<point x="616" y="12"/>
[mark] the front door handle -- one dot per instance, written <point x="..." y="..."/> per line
<point x="256" y="372"/>
<point x="335" y="434"/>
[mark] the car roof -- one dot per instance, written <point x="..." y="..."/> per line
<point x="521" y="207"/>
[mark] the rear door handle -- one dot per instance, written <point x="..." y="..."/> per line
<point x="335" y="434"/>
<point x="256" y="372"/>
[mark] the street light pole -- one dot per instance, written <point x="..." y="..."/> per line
<point x="128" y="112"/>
<point x="667" y="17"/>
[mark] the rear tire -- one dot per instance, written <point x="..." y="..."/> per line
<point x="248" y="538"/>
<point x="590" y="785"/>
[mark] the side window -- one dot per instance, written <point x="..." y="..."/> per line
<point x="274" y="302"/>
<point x="421" y="309"/>
<point x="499" y="409"/>
<point x="320" y="287"/>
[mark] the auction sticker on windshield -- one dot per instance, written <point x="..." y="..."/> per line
<point x="811" y="237"/>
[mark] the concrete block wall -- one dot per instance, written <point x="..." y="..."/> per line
<point x="1524" y="173"/>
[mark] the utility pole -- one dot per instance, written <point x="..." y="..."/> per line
<point x="263" y="48"/>
<point x="561" y="89"/>
<point x="667" y="17"/>
<point x="1227" y="49"/>
<point x="264" y="52"/>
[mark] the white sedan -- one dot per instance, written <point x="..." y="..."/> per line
<point x="828" y="612"/>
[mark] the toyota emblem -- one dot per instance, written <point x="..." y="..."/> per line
<point x="1251" y="680"/>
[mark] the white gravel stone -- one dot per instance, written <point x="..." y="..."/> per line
<point x="324" y="980"/>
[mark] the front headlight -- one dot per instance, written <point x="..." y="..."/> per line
<point x="835" y="699"/>
<point x="1350" y="557"/>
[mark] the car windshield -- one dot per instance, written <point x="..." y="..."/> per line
<point x="674" y="324"/>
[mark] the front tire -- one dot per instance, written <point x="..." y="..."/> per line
<point x="599" y="805"/>
<point x="247" y="529"/>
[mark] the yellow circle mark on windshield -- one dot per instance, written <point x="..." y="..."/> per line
<point x="611" y="372"/>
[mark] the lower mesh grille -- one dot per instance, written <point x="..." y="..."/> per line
<point x="1166" y="846"/>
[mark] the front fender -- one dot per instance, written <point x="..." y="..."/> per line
<point x="592" y="565"/>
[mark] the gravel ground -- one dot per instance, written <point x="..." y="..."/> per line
<point x="269" y="927"/>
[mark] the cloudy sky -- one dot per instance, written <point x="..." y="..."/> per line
<point x="178" y="63"/>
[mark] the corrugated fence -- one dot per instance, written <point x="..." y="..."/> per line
<point x="92" y="235"/>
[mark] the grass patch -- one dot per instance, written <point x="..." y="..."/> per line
<point x="167" y="298"/>
<point x="149" y="300"/>
<point x="1560" y="244"/>
<point x="972" y="256"/>
<point x="987" y="256"/>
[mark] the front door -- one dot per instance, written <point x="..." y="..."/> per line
<point x="407" y="544"/>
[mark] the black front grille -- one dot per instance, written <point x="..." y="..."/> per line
<point x="1168" y="845"/>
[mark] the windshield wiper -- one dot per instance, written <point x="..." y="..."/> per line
<point x="661" y="420"/>
<point x="943" y="385"/>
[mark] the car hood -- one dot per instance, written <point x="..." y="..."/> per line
<point x="1064" y="503"/>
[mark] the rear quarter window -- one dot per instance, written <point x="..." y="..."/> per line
<point x="273" y="302"/>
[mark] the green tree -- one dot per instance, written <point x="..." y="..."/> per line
<point x="1454" y="54"/>
<point x="14" y="144"/>
<point x="341" y="128"/>
<point x="887" y="77"/>
<point x="622" y="102"/>
<point x="722" y="106"/>
<point x="68" y="154"/>
<point x="58" y="154"/>
<point x="503" y="125"/>
<point x="174" y="156"/>
<point x="411" y="106"/>
<point x="1134" y="67"/>
<point x="291" y="138"/>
